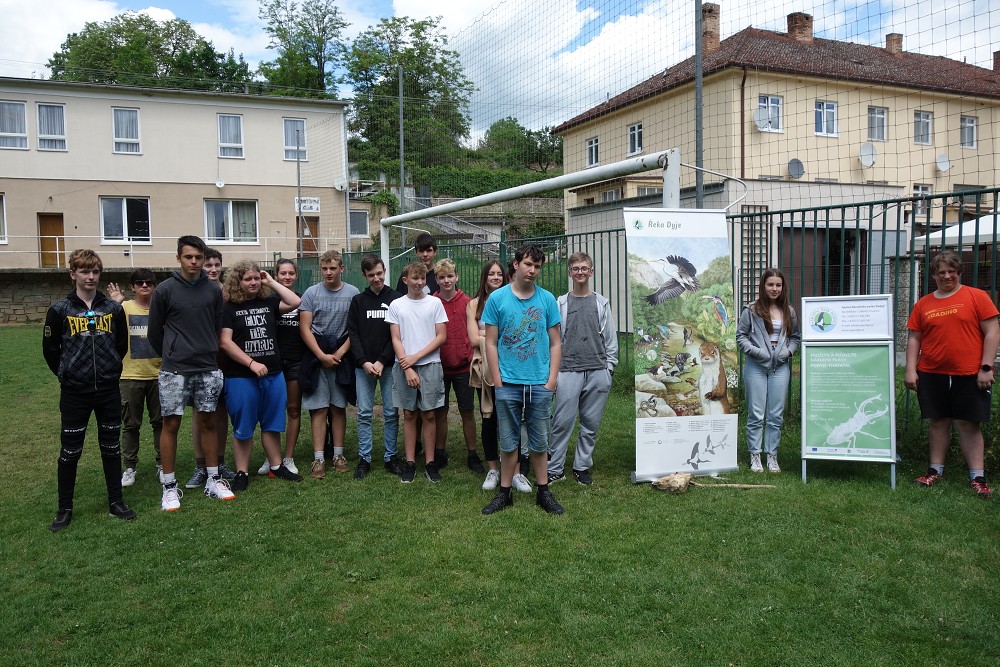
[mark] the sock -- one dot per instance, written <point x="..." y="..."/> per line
<point x="169" y="478"/>
<point x="318" y="456"/>
<point x="938" y="467"/>
<point x="505" y="490"/>
<point x="338" y="451"/>
<point x="273" y="467"/>
<point x="542" y="488"/>
<point x="213" y="472"/>
<point x="976" y="473"/>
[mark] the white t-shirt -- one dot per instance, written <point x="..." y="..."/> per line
<point x="417" y="319"/>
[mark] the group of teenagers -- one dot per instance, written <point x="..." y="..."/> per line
<point x="246" y="349"/>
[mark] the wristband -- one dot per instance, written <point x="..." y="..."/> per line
<point x="250" y="365"/>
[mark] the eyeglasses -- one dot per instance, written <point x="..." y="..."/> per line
<point x="91" y="320"/>
<point x="580" y="269"/>
<point x="145" y="283"/>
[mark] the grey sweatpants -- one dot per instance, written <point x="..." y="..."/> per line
<point x="583" y="393"/>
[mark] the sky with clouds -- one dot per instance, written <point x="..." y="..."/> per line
<point x="541" y="62"/>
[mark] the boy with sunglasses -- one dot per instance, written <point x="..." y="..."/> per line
<point x="140" y="369"/>
<point x="83" y="342"/>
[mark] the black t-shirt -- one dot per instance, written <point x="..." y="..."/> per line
<point x="290" y="344"/>
<point x="254" y="324"/>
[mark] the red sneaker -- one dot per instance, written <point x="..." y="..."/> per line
<point x="980" y="486"/>
<point x="928" y="479"/>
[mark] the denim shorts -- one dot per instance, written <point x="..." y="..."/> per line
<point x="530" y="404"/>
<point x="177" y="391"/>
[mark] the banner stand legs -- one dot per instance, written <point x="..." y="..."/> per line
<point x="803" y="471"/>
<point x="892" y="474"/>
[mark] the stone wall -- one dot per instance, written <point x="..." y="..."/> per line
<point x="26" y="294"/>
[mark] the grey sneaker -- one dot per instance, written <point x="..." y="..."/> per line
<point x="491" y="481"/>
<point x="264" y="468"/>
<point x="197" y="480"/>
<point x="755" y="465"/>
<point x="226" y="473"/>
<point x="772" y="463"/>
<point x="521" y="483"/>
<point x="128" y="477"/>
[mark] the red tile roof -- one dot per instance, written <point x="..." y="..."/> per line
<point x="768" y="51"/>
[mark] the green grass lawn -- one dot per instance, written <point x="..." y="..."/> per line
<point x="841" y="571"/>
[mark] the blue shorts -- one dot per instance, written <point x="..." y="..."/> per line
<point x="253" y="401"/>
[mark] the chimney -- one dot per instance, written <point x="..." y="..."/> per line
<point x="894" y="43"/>
<point x="996" y="61"/>
<point x="800" y="27"/>
<point x="709" y="28"/>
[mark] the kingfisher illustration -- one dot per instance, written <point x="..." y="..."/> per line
<point x="664" y="331"/>
<point x="720" y="310"/>
<point x="680" y="278"/>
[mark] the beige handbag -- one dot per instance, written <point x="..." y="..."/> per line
<point x="480" y="378"/>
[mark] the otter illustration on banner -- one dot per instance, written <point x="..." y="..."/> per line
<point x="686" y="359"/>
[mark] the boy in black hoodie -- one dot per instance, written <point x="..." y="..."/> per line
<point x="371" y="346"/>
<point x="83" y="342"/>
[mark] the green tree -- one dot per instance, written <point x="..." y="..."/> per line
<point x="308" y="39"/>
<point x="510" y="145"/>
<point x="436" y="92"/>
<point x="137" y="50"/>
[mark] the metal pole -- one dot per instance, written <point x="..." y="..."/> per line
<point x="699" y="136"/>
<point x="298" y="188"/>
<point x="402" y="199"/>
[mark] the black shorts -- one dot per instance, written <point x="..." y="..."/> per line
<point x="952" y="397"/>
<point x="464" y="394"/>
<point x="290" y="368"/>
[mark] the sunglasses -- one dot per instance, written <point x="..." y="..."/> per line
<point x="145" y="283"/>
<point x="91" y="320"/>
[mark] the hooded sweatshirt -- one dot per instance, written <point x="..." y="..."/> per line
<point x="456" y="353"/>
<point x="368" y="330"/>
<point x="185" y="319"/>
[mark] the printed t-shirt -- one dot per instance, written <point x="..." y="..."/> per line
<point x="951" y="339"/>
<point x="522" y="333"/>
<point x="254" y="325"/>
<point x="142" y="362"/>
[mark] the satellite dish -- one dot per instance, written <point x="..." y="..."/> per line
<point x="942" y="162"/>
<point x="795" y="168"/>
<point x="867" y="154"/>
<point x="762" y="118"/>
<point x="220" y="183"/>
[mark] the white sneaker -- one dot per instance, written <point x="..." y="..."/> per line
<point x="128" y="477"/>
<point x="171" y="500"/>
<point x="264" y="468"/>
<point x="755" y="465"/>
<point x="290" y="464"/>
<point x="772" y="463"/>
<point x="521" y="483"/>
<point x="216" y="487"/>
<point x="492" y="479"/>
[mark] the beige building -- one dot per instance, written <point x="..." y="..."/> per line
<point x="804" y="121"/>
<point x="125" y="171"/>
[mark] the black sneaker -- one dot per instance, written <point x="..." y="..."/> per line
<point x="362" y="469"/>
<point x="121" y="511"/>
<point x="431" y="472"/>
<point x="240" y="482"/>
<point x="583" y="476"/>
<point x="501" y="501"/>
<point x="284" y="473"/>
<point x="475" y="463"/>
<point x="440" y="458"/>
<point x="556" y="477"/>
<point x="63" y="517"/>
<point x="407" y="472"/>
<point x="547" y="502"/>
<point x="392" y="466"/>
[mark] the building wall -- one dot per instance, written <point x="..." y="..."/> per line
<point x="178" y="169"/>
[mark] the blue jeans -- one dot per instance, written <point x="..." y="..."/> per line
<point x="533" y="403"/>
<point x="366" y="402"/>
<point x="766" y="392"/>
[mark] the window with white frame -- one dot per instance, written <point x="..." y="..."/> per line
<point x="611" y="195"/>
<point x="826" y="118"/>
<point x="878" y="123"/>
<point x="635" y="139"/>
<point x="230" y="135"/>
<point x="592" y="152"/>
<point x="295" y="138"/>
<point x="920" y="203"/>
<point x="359" y="223"/>
<point x="13" y="126"/>
<point x="51" y="127"/>
<point x="125" y="219"/>
<point x="126" y="130"/>
<point x="648" y="191"/>
<point x="923" y="127"/>
<point x="231" y="220"/>
<point x="967" y="132"/>
<point x="772" y="105"/>
<point x="3" y="219"/>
